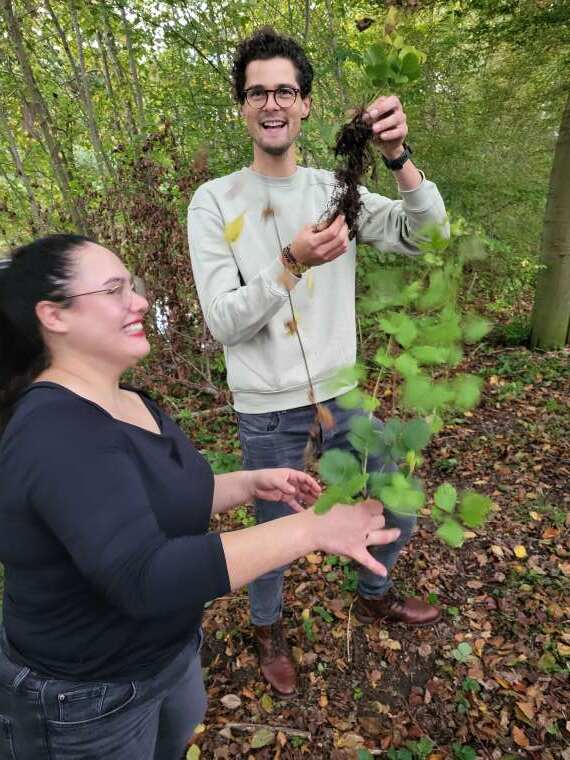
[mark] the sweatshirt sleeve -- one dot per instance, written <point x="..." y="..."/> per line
<point x="234" y="312"/>
<point x="395" y="226"/>
<point x="85" y="486"/>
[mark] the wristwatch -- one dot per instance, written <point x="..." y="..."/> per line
<point x="396" y="163"/>
<point x="291" y="264"/>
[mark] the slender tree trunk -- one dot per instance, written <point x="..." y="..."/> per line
<point x="40" y="110"/>
<point x="133" y="69"/>
<point x="551" y="314"/>
<point x="80" y="77"/>
<point x="102" y="158"/>
<point x="37" y="223"/>
<point x="334" y="45"/>
<point x="120" y="74"/>
<point x="108" y="80"/>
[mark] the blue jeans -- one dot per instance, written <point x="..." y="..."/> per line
<point x="278" y="439"/>
<point x="50" y="719"/>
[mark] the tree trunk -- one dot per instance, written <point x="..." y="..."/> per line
<point x="37" y="223"/>
<point x="108" y="81"/>
<point x="133" y="69"/>
<point x="81" y="74"/>
<point x="114" y="56"/>
<point x="41" y="111"/>
<point x="551" y="313"/>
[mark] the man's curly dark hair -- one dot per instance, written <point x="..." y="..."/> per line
<point x="264" y="44"/>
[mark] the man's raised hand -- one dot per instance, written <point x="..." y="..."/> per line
<point x="313" y="246"/>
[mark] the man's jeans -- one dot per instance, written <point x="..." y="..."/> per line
<point x="48" y="719"/>
<point x="278" y="439"/>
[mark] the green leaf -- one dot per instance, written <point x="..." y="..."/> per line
<point x="382" y="358"/>
<point x="342" y="493"/>
<point x="193" y="753"/>
<point x="401" y="327"/>
<point x="336" y="466"/>
<point x="437" y="515"/>
<point x="446" y="497"/>
<point x="262" y="738"/>
<point x="474" y="508"/>
<point x="402" y="495"/>
<point x="377" y="481"/>
<point x="349" y="375"/>
<point x="475" y="328"/>
<point x="416" y="434"/>
<point x="350" y="400"/>
<point x="266" y="703"/>
<point x="462" y="652"/>
<point x="356" y="399"/>
<point x="323" y="614"/>
<point x="429" y="355"/>
<point x="452" y="533"/>
<point x="392" y="430"/>
<point x="442" y="331"/>
<point x="425" y="396"/>
<point x="411" y="66"/>
<point x="364" y="754"/>
<point x="438" y="292"/>
<point x="467" y="391"/>
<point x="406" y="365"/>
<point x="364" y="435"/>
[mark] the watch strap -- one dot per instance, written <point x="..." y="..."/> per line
<point x="394" y="164"/>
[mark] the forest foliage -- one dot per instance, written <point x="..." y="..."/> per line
<point x="111" y="114"/>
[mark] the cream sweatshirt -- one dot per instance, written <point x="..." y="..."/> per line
<point x="237" y="226"/>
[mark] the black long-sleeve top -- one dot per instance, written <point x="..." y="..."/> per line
<point x="103" y="536"/>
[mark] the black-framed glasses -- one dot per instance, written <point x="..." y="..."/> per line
<point x="121" y="290"/>
<point x="284" y="96"/>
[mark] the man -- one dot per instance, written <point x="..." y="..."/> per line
<point x="253" y="239"/>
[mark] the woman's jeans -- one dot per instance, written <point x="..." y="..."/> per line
<point x="49" y="719"/>
<point x="278" y="439"/>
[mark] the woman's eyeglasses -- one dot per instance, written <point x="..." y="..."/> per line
<point x="120" y="290"/>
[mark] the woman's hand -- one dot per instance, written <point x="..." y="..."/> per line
<point x="284" y="484"/>
<point x="349" y="529"/>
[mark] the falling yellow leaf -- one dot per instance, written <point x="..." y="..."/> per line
<point x="310" y="280"/>
<point x="233" y="230"/>
<point x="520" y="551"/>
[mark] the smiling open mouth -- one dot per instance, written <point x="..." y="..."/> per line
<point x="273" y="124"/>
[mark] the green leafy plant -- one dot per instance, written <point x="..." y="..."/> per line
<point x="424" y="331"/>
<point x="414" y="750"/>
<point x="463" y="752"/>
<point x="463" y="652"/>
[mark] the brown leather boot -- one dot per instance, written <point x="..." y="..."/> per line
<point x="275" y="659"/>
<point x="392" y="608"/>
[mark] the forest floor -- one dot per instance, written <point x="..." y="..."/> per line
<point x="411" y="694"/>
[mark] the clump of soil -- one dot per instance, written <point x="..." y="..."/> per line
<point x="354" y="149"/>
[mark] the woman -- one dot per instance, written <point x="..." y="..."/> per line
<point x="104" y="512"/>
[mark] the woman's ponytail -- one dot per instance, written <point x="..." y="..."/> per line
<point x="30" y="274"/>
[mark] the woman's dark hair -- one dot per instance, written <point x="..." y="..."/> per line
<point x="264" y="44"/>
<point x="31" y="273"/>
